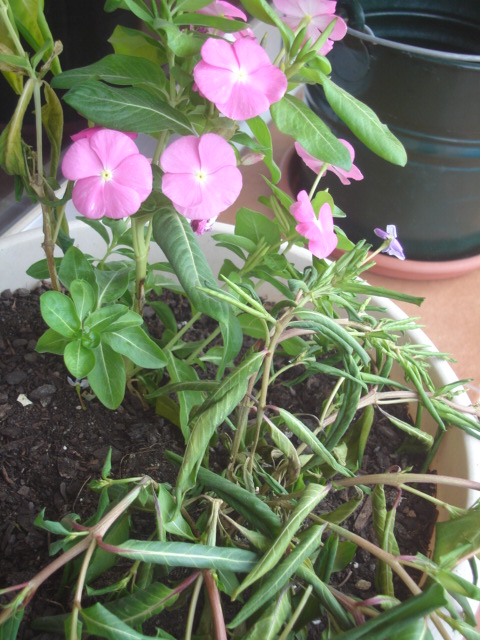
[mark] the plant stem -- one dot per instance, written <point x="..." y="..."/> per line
<point x="141" y="246"/>
<point x="193" y="607"/>
<point x="398" y="479"/>
<point x="216" y="605"/>
<point x="77" y="600"/>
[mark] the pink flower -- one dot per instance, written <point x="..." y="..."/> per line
<point x="89" y="131"/>
<point x="316" y="165"/>
<point x="202" y="226"/>
<point x="201" y="177"/>
<point x="318" y="231"/>
<point x="317" y="15"/>
<point x="112" y="177"/>
<point x="238" y="78"/>
<point x="223" y="9"/>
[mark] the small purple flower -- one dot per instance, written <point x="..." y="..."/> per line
<point x="394" y="248"/>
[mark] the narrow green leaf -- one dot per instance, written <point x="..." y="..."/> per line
<point x="11" y="149"/>
<point x="456" y="539"/>
<point x="186" y="554"/>
<point x="399" y="617"/>
<point x="9" y="630"/>
<point x="134" y="343"/>
<point x="100" y="622"/>
<point x="312" y="495"/>
<point x="305" y="434"/>
<point x="175" y="237"/>
<point x="210" y="415"/>
<point x="180" y="371"/>
<point x="295" y="119"/>
<point x="59" y="313"/>
<point x="364" y="123"/>
<point x="52" y="120"/>
<point x="279" y="577"/>
<point x="138" y="607"/>
<point x="268" y="626"/>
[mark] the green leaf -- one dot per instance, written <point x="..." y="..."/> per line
<point x="186" y="554"/>
<point x="126" y="109"/>
<point x="79" y="360"/>
<point x="52" y="120"/>
<point x="59" y="313"/>
<point x="279" y="577"/>
<point x="100" y="622"/>
<point x="114" y="69"/>
<point x="261" y="131"/>
<point x="456" y="539"/>
<point x="51" y="342"/>
<point x="9" y="629"/>
<point x="128" y="319"/>
<point x="262" y="10"/>
<point x="247" y="504"/>
<point x="398" y="618"/>
<point x="112" y="284"/>
<point x="103" y="319"/>
<point x="11" y="147"/>
<point x="107" y="378"/>
<point x="56" y="528"/>
<point x="134" y="343"/>
<point x="180" y="371"/>
<point x="75" y="266"/>
<point x="256" y="227"/>
<point x="232" y="336"/>
<point x="83" y="297"/>
<point x="138" y="607"/>
<point x="172" y="523"/>
<point x="216" y="408"/>
<point x="134" y="42"/>
<point x="173" y="234"/>
<point x="295" y="119"/>
<point x="364" y="123"/>
<point x="39" y="269"/>
<point x="312" y="495"/>
<point x="268" y="626"/>
<point x="305" y="434"/>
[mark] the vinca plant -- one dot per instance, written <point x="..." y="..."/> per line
<point x="252" y="538"/>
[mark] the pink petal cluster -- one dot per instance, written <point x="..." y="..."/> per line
<point x="238" y="77"/>
<point x="317" y="15"/>
<point x="89" y="131"/>
<point x="201" y="177"/>
<point x="223" y="9"/>
<point x="318" y="231"/>
<point x="316" y="165"/>
<point x="112" y="178"/>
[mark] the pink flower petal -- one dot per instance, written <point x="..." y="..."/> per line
<point x="89" y="131"/>
<point x="120" y="201"/>
<point x="223" y="9"/>
<point x="135" y="172"/>
<point x="80" y="161"/>
<point x="214" y="156"/>
<point x="318" y="231"/>
<point x="89" y="197"/>
<point x="112" y="146"/>
<point x="179" y="154"/>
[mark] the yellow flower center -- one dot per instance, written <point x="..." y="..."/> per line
<point x="106" y="175"/>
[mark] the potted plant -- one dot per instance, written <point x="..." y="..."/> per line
<point x="402" y="58"/>
<point x="258" y="514"/>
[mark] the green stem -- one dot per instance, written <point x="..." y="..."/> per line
<point x="321" y="173"/>
<point x="77" y="601"/>
<point x="204" y="344"/>
<point x="193" y="607"/>
<point x="141" y="246"/>
<point x="161" y="144"/>
<point x="186" y="327"/>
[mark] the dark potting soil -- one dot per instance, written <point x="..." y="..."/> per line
<point x="50" y="448"/>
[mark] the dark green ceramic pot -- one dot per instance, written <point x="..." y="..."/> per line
<point x="416" y="63"/>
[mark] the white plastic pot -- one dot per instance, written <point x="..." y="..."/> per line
<point x="458" y="455"/>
